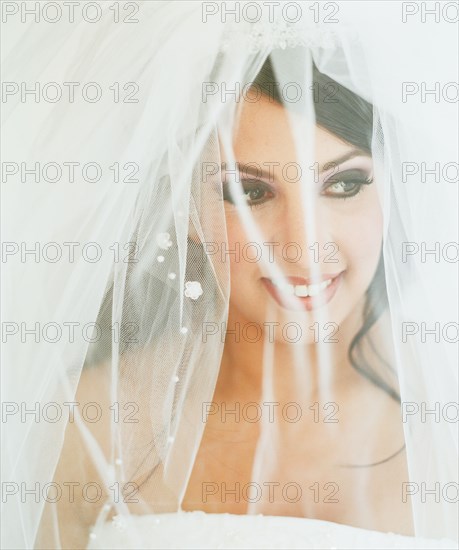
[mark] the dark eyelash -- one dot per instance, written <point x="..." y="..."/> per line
<point x="244" y="183"/>
<point x="358" y="177"/>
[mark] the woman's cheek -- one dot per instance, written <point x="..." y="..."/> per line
<point x="235" y="250"/>
<point x="245" y="272"/>
<point x="359" y="236"/>
<point x="372" y="222"/>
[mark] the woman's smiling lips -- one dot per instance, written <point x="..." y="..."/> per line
<point x="301" y="294"/>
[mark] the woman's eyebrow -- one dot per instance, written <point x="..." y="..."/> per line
<point x="343" y="158"/>
<point x="253" y="171"/>
<point x="268" y="175"/>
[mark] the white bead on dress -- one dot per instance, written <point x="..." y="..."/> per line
<point x="119" y="523"/>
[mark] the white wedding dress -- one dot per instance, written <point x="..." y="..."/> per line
<point x="201" y="530"/>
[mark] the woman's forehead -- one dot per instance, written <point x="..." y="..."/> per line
<point x="264" y="132"/>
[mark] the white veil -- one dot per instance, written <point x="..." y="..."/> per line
<point x="117" y="288"/>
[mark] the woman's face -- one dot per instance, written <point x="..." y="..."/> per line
<point x="324" y="273"/>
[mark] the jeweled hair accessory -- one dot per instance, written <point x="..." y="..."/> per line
<point x="278" y="35"/>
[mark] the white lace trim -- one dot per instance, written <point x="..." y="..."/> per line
<point x="260" y="36"/>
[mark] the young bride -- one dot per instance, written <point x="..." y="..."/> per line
<point x="351" y="290"/>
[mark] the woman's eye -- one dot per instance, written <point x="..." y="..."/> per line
<point x="254" y="193"/>
<point x="343" y="188"/>
<point x="346" y="184"/>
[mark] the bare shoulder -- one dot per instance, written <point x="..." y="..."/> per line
<point x="77" y="477"/>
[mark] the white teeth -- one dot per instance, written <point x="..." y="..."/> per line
<point x="302" y="291"/>
<point x="284" y="287"/>
<point x="313" y="290"/>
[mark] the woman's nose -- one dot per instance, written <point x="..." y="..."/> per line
<point x="304" y="231"/>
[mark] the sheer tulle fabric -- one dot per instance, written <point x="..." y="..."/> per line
<point x="162" y="280"/>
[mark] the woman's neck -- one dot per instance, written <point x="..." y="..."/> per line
<point x="252" y="370"/>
